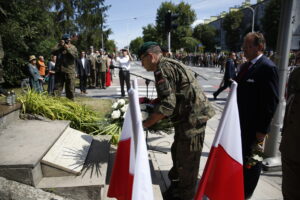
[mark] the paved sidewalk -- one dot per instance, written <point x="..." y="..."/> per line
<point x="269" y="186"/>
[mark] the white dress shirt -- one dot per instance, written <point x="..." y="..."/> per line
<point x="124" y="62"/>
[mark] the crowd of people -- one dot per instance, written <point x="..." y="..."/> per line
<point x="94" y="69"/>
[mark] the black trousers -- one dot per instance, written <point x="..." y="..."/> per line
<point x="226" y="85"/>
<point x="124" y="76"/>
<point x="83" y="83"/>
<point x="251" y="177"/>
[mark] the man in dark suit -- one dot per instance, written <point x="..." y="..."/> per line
<point x="229" y="74"/>
<point x="83" y="71"/>
<point x="257" y="97"/>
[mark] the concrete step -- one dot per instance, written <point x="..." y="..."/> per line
<point x="23" y="143"/>
<point x="90" y="183"/>
<point x="68" y="153"/>
<point x="8" y="114"/>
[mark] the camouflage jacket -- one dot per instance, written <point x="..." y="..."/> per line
<point x="181" y="96"/>
<point x="92" y="59"/>
<point x="65" y="61"/>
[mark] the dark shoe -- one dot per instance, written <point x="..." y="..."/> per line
<point x="171" y="192"/>
<point x="84" y="92"/>
<point x="215" y="96"/>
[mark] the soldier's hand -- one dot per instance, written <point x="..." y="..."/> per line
<point x="66" y="46"/>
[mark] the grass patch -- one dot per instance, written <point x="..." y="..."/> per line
<point x="101" y="106"/>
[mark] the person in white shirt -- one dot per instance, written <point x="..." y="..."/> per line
<point x="124" y="75"/>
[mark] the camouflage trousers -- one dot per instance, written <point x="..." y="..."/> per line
<point x="183" y="175"/>
<point x="66" y="80"/>
<point x="92" y="78"/>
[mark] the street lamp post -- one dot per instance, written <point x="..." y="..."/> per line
<point x="253" y="17"/>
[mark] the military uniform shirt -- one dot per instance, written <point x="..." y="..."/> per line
<point x="181" y="97"/>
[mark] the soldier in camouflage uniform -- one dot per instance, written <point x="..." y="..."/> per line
<point x="182" y="99"/>
<point x="65" y="67"/>
<point x="289" y="146"/>
<point x="92" y="58"/>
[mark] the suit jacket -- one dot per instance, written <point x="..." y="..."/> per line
<point x="229" y="70"/>
<point x="289" y="146"/>
<point x="83" y="70"/>
<point x="257" y="98"/>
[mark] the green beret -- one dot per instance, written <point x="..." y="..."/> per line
<point x="145" y="47"/>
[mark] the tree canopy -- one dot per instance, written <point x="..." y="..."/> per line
<point x="186" y="16"/>
<point x="206" y="34"/>
<point x="270" y="22"/>
<point x="232" y="26"/>
<point x="33" y="27"/>
<point x="135" y="44"/>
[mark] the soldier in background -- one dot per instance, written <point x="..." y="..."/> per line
<point x="181" y="99"/>
<point x="101" y="69"/>
<point x="65" y="67"/>
<point x="92" y="58"/>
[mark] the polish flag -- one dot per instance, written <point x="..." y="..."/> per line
<point x="223" y="174"/>
<point x="131" y="178"/>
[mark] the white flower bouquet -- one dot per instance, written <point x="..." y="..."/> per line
<point x="113" y="123"/>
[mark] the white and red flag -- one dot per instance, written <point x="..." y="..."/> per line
<point x="131" y="177"/>
<point x="223" y="174"/>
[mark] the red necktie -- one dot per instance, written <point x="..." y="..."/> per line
<point x="243" y="71"/>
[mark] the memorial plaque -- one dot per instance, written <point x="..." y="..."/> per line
<point x="69" y="152"/>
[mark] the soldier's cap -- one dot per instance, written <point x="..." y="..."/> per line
<point x="32" y="57"/>
<point x="145" y="47"/>
<point x="66" y="36"/>
<point x="124" y="49"/>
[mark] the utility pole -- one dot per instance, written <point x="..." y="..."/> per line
<point x="169" y="17"/>
<point x="102" y="37"/>
<point x="283" y="48"/>
<point x="253" y="17"/>
<point x="169" y="41"/>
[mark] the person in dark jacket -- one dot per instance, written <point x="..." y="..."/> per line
<point x="229" y="74"/>
<point x="83" y="69"/>
<point x="257" y="98"/>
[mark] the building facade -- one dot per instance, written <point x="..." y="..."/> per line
<point x="246" y="25"/>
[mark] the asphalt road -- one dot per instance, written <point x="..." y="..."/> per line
<point x="209" y="79"/>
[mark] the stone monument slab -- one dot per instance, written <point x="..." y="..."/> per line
<point x="69" y="152"/>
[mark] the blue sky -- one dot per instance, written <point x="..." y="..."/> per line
<point x="127" y="17"/>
